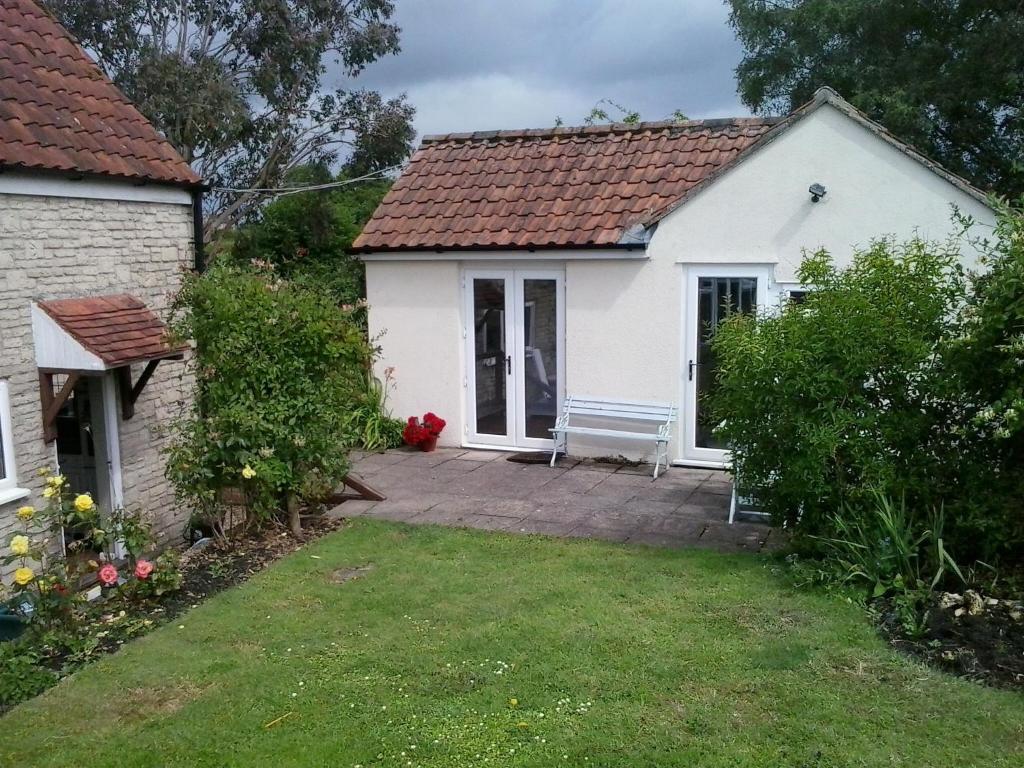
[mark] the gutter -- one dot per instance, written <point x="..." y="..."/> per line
<point x="199" y="265"/>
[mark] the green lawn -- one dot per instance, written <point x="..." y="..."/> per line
<point x="471" y="648"/>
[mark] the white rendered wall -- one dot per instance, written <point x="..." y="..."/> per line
<point x="622" y="340"/>
<point x="761" y="210"/>
<point x="415" y="317"/>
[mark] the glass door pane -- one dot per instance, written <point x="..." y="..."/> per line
<point x="491" y="357"/>
<point x="717" y="298"/>
<point x="539" y="326"/>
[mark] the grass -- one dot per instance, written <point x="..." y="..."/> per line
<point x="469" y="648"/>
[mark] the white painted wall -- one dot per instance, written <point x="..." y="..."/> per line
<point x="622" y="340"/>
<point x="761" y="211"/>
<point x="415" y="317"/>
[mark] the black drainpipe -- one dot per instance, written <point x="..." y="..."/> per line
<point x="197" y="228"/>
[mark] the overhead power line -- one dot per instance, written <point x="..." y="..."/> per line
<point x="282" y="191"/>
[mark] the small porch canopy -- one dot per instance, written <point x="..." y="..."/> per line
<point x="93" y="335"/>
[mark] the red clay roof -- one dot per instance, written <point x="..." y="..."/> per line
<point x="118" y="329"/>
<point x="562" y="187"/>
<point x="58" y="111"/>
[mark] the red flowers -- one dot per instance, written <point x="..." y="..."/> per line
<point x="423" y="434"/>
<point x="433" y="423"/>
<point x="142" y="569"/>
<point x="108" y="575"/>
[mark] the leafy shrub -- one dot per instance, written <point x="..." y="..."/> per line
<point x="897" y="376"/>
<point x="279" y="369"/>
<point x="21" y="677"/>
<point x="828" y="401"/>
<point x="983" y="360"/>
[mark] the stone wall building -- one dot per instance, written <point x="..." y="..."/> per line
<point x="96" y="226"/>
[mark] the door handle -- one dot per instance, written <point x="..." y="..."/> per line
<point x="508" y="364"/>
<point x="693" y="364"/>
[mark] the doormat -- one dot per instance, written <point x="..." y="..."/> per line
<point x="530" y="457"/>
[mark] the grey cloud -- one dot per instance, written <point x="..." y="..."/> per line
<point x="481" y="65"/>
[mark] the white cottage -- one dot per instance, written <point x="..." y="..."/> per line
<point x="506" y="269"/>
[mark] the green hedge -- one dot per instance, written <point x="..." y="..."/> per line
<point x="898" y="375"/>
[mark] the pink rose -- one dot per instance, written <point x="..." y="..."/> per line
<point x="142" y="569"/>
<point x="108" y="575"/>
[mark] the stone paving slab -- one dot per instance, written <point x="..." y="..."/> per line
<point x="576" y="499"/>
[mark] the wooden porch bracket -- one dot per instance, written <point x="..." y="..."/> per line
<point x="53" y="403"/>
<point x="130" y="392"/>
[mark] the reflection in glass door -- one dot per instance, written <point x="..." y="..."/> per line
<point x="711" y="294"/>
<point x="538" y="337"/>
<point x="514" y="383"/>
<point x="718" y="297"/>
<point x="492" y="365"/>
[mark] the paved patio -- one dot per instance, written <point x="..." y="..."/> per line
<point x="481" y="489"/>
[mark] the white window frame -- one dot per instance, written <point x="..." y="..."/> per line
<point x="9" y="490"/>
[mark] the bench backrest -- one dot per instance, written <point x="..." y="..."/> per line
<point x="634" y="410"/>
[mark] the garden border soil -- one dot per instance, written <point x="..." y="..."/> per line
<point x="987" y="646"/>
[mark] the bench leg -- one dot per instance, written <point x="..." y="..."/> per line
<point x="657" y="458"/>
<point x="733" y="503"/>
<point x="554" y="452"/>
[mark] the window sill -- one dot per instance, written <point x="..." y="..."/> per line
<point x="13" y="494"/>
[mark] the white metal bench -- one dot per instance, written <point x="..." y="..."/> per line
<point x="615" y="410"/>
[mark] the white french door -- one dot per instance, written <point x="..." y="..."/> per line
<point x="711" y="293"/>
<point x="515" y="366"/>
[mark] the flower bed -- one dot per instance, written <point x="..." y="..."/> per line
<point x="980" y="638"/>
<point x="30" y="666"/>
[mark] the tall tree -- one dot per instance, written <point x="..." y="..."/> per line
<point x="238" y="85"/>
<point x="947" y="76"/>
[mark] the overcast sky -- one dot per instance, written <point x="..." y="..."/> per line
<point x="470" y="65"/>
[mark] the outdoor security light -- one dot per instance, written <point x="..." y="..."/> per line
<point x="817" y="192"/>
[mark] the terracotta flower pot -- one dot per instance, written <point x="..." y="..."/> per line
<point x="428" y="443"/>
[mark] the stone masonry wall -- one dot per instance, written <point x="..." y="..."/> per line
<point x="53" y="247"/>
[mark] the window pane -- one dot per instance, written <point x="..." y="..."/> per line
<point x="540" y="334"/>
<point x="717" y="298"/>
<point x="489" y="342"/>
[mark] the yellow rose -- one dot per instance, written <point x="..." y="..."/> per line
<point x="56" y="481"/>
<point x="23" y="576"/>
<point x="19" y="545"/>
<point x="248" y="472"/>
<point x="50" y="492"/>
<point x="84" y="502"/>
<point x="26" y="513"/>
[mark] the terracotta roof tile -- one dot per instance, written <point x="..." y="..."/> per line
<point x="561" y="187"/>
<point x="119" y="329"/>
<point x="59" y="112"/>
